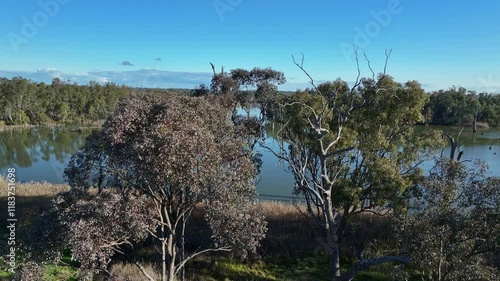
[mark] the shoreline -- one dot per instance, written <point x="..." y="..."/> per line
<point x="91" y="124"/>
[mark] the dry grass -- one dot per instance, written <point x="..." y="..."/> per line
<point x="291" y="231"/>
<point x="130" y="272"/>
<point x="277" y="210"/>
<point x="32" y="199"/>
<point x="4" y="127"/>
<point x="33" y="189"/>
<point x="85" y="124"/>
<point x="483" y="125"/>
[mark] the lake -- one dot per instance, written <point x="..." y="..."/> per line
<point x="42" y="153"/>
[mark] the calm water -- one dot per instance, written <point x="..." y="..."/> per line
<point x="41" y="154"/>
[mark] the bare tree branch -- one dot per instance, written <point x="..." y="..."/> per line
<point x="182" y="263"/>
<point x="144" y="271"/>
<point x="213" y="68"/>
<point x="387" y="55"/>
<point x="367" y="263"/>
<point x="369" y="66"/>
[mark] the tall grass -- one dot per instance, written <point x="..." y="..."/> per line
<point x="31" y="199"/>
<point x="33" y="189"/>
<point x="130" y="272"/>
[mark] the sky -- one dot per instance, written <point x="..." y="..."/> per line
<point x="170" y="43"/>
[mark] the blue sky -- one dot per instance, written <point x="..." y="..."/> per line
<point x="167" y="43"/>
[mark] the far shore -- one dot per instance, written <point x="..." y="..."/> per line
<point x="96" y="124"/>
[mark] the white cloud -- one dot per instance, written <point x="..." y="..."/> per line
<point x="49" y="69"/>
<point x="102" y="80"/>
<point x="151" y="78"/>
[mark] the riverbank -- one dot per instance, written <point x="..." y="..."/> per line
<point x="87" y="124"/>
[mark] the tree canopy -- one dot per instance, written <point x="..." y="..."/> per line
<point x="353" y="150"/>
<point x="179" y="153"/>
<point x="454" y="229"/>
<point x="27" y="102"/>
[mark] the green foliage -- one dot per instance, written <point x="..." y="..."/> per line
<point x="26" y="102"/>
<point x="380" y="129"/>
<point x="57" y="273"/>
<point x="20" y="118"/>
<point x="452" y="234"/>
<point x="306" y="268"/>
<point x="4" y="273"/>
<point x="354" y="150"/>
<point x="458" y="107"/>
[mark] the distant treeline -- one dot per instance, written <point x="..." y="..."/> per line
<point x="23" y="101"/>
<point x="457" y="106"/>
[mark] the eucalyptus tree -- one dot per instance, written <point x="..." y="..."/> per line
<point x="454" y="230"/>
<point x="17" y="95"/>
<point x="455" y="106"/>
<point x="247" y="89"/>
<point x="254" y="88"/>
<point x="353" y="150"/>
<point x="24" y="101"/>
<point x="178" y="153"/>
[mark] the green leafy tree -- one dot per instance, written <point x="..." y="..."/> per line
<point x="457" y="106"/>
<point x="453" y="232"/>
<point x="254" y="89"/>
<point x="23" y="101"/>
<point x="353" y="150"/>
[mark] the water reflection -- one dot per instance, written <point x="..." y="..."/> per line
<point x="40" y="153"/>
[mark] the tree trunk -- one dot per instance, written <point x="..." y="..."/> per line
<point x="163" y="257"/>
<point x="168" y="254"/>
<point x="171" y="257"/>
<point x="440" y="258"/>
<point x="183" y="253"/>
<point x="332" y="238"/>
<point x="10" y="117"/>
<point x="474" y="121"/>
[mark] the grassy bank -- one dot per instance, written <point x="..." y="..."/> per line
<point x="291" y="250"/>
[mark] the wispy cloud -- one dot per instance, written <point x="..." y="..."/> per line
<point x="155" y="78"/>
<point x="126" y="63"/>
<point x="151" y="78"/>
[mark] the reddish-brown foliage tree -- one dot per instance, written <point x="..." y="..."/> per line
<point x="176" y="152"/>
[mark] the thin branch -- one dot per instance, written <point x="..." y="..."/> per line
<point x="339" y="151"/>
<point x="144" y="272"/>
<point x="303" y="104"/>
<point x="387" y="55"/>
<point x="181" y="264"/>
<point x="358" y="81"/>
<point x="213" y="68"/>
<point x="301" y="67"/>
<point x="369" y="66"/>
